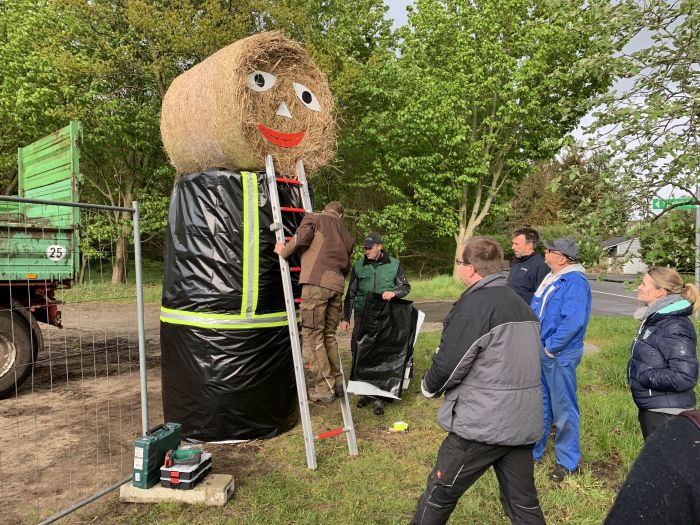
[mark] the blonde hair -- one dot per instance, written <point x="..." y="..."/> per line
<point x="670" y="280"/>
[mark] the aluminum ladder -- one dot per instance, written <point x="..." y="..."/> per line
<point x="277" y="226"/>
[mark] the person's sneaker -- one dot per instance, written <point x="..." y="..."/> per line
<point x="560" y="472"/>
<point x="338" y="391"/>
<point x="363" y="402"/>
<point x="378" y="407"/>
<point x="321" y="398"/>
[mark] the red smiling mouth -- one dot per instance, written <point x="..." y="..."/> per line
<point x="283" y="140"/>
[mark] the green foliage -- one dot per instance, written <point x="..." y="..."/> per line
<point x="671" y="241"/>
<point x="651" y="127"/>
<point x="476" y="92"/>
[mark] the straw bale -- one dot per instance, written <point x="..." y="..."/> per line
<point x="210" y="115"/>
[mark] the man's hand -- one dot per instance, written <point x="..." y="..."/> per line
<point x="279" y="247"/>
<point x="344" y="326"/>
<point x="548" y="354"/>
<point x="388" y="296"/>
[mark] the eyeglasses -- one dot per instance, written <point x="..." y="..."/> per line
<point x="554" y="251"/>
<point x="461" y="262"/>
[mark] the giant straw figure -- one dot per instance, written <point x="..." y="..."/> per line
<point x="227" y="369"/>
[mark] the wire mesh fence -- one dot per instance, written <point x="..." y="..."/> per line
<point x="71" y="403"/>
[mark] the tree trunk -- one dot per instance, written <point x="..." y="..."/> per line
<point x="121" y="259"/>
<point x="83" y="268"/>
<point x="11" y="188"/>
<point x="465" y="232"/>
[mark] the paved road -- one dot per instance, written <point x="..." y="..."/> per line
<point x="609" y="299"/>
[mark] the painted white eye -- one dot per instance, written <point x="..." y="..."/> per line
<point x="307" y="97"/>
<point x="261" y="81"/>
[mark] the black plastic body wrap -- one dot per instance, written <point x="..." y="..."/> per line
<point x="384" y="343"/>
<point x="235" y="382"/>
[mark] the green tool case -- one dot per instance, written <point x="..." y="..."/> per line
<point x="149" y="453"/>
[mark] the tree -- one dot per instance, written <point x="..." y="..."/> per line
<point x="478" y="91"/>
<point x="671" y="242"/>
<point x="109" y="63"/>
<point x="651" y="128"/>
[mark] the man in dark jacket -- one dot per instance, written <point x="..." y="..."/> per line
<point x="326" y="245"/>
<point x="378" y="273"/>
<point x="663" y="485"/>
<point x="529" y="267"/>
<point x="488" y="366"/>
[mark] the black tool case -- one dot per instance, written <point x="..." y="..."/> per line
<point x="185" y="477"/>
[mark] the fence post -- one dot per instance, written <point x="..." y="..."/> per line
<point x="140" y="317"/>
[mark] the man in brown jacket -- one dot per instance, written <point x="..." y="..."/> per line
<point x="326" y="245"/>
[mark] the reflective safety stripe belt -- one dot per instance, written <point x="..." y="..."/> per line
<point x="223" y="321"/>
<point x="247" y="319"/>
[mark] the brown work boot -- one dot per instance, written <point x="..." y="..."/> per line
<point x="325" y="397"/>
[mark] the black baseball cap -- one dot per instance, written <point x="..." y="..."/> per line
<point x="371" y="239"/>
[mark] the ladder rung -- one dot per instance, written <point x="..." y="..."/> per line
<point x="293" y="210"/>
<point x="295" y="269"/>
<point x="331" y="433"/>
<point x="288" y="181"/>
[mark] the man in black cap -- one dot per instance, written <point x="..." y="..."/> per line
<point x="379" y="273"/>
<point x="563" y="304"/>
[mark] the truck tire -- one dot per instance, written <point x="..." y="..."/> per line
<point x="16" y="352"/>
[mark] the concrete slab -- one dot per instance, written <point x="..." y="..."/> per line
<point x="214" y="491"/>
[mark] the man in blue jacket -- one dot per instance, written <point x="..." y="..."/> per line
<point x="563" y="304"/>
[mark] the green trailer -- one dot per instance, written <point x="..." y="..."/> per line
<point x="38" y="249"/>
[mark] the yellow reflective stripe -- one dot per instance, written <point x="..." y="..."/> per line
<point x="224" y="326"/>
<point x="245" y="283"/>
<point x="256" y="240"/>
<point x="232" y="317"/>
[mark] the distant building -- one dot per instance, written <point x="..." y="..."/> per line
<point x="623" y="256"/>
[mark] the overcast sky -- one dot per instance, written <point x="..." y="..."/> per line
<point x="397" y="11"/>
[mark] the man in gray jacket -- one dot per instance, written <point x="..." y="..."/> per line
<point x="488" y="366"/>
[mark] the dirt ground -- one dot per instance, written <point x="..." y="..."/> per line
<point x="70" y="430"/>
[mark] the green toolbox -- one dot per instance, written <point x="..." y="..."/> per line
<point x="149" y="453"/>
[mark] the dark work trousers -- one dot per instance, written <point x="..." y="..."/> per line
<point x="461" y="462"/>
<point x="650" y="421"/>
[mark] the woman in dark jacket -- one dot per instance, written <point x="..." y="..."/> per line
<point x="663" y="369"/>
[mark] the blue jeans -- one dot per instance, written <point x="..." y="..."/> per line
<point x="561" y="407"/>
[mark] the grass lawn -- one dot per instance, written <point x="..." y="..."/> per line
<point x="383" y="483"/>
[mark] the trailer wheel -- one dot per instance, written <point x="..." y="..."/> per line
<point x="16" y="352"/>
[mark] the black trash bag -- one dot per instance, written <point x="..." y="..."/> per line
<point x="384" y="343"/>
<point x="226" y="360"/>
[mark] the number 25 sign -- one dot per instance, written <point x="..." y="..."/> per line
<point x="55" y="252"/>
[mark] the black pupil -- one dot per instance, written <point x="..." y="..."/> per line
<point x="306" y="97"/>
<point x="259" y="79"/>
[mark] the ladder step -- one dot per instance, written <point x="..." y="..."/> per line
<point x="288" y="181"/>
<point x="331" y="433"/>
<point x="292" y="210"/>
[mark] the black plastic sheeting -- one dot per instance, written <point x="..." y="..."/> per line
<point x="384" y="343"/>
<point x="225" y="384"/>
